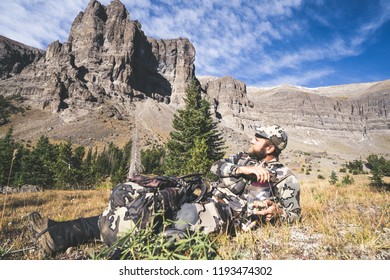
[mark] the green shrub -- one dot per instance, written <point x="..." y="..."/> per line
<point x="333" y="178"/>
<point x="347" y="180"/>
<point x="379" y="168"/>
<point x="146" y="245"/>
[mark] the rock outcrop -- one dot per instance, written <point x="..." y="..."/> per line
<point x="350" y="119"/>
<point x="305" y="108"/>
<point x="14" y="57"/>
<point x="106" y="59"/>
<point x="175" y="62"/>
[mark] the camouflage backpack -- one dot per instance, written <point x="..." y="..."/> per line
<point x="147" y="201"/>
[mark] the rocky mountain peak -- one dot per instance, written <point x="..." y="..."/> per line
<point x="107" y="59"/>
<point x="100" y="27"/>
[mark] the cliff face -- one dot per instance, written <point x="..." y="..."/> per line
<point x="227" y="96"/>
<point x="107" y="59"/>
<point x="300" y="107"/>
<point x="351" y="121"/>
<point x="174" y="61"/>
<point x="14" y="57"/>
<point x="306" y="108"/>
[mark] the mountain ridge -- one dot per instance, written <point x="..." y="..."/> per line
<point x="110" y="72"/>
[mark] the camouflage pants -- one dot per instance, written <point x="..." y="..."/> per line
<point x="208" y="217"/>
<point x="131" y="208"/>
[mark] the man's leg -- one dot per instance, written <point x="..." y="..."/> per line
<point x="207" y="217"/>
<point x="52" y="237"/>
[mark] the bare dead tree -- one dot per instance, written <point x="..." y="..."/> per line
<point x="135" y="158"/>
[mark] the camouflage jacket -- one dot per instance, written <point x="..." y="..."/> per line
<point x="232" y="188"/>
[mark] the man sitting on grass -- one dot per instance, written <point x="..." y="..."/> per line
<point x="253" y="188"/>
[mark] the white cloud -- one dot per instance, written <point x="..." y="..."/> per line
<point x="37" y="23"/>
<point x="143" y="4"/>
<point x="298" y="78"/>
<point x="366" y="31"/>
<point x="277" y="7"/>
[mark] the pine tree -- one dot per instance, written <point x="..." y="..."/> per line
<point x="39" y="165"/>
<point x="7" y="109"/>
<point x="195" y="142"/>
<point x="77" y="164"/>
<point x="69" y="166"/>
<point x="10" y="156"/>
<point x="333" y="178"/>
<point x="64" y="165"/>
<point x="152" y="160"/>
<point x="379" y="168"/>
<point x="102" y="167"/>
<point x="199" y="160"/>
<point x="88" y="168"/>
<point x="31" y="171"/>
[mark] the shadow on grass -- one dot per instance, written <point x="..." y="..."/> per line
<point x="23" y="202"/>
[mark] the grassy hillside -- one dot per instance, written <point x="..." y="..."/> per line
<point x="339" y="222"/>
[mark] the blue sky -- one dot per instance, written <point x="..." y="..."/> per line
<point x="307" y="43"/>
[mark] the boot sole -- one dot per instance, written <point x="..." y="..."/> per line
<point x="40" y="241"/>
<point x="32" y="224"/>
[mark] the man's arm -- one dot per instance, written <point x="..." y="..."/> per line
<point x="288" y="208"/>
<point x="235" y="166"/>
<point x="226" y="167"/>
<point x="261" y="173"/>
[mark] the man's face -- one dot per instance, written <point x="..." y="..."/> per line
<point x="258" y="147"/>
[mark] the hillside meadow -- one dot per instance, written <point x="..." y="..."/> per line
<point x="339" y="222"/>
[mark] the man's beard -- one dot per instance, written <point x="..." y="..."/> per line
<point x="260" y="155"/>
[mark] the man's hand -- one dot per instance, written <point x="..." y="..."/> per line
<point x="261" y="173"/>
<point x="271" y="210"/>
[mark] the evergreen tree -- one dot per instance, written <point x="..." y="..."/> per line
<point x="63" y="165"/>
<point x="115" y="159"/>
<point x="152" y="160"/>
<point x="39" y="164"/>
<point x="10" y="157"/>
<point x="113" y="162"/>
<point x="195" y="138"/>
<point x="118" y="175"/>
<point x="355" y="167"/>
<point x="32" y="170"/>
<point x="333" y="178"/>
<point x="89" y="169"/>
<point x="199" y="160"/>
<point x="68" y="166"/>
<point x="347" y="180"/>
<point x="103" y="166"/>
<point x="121" y="163"/>
<point x="127" y="154"/>
<point x="77" y="166"/>
<point x="7" y="109"/>
<point x="379" y="168"/>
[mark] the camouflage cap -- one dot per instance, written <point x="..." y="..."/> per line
<point x="274" y="133"/>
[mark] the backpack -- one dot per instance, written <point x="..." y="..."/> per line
<point x="185" y="185"/>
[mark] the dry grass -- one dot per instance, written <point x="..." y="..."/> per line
<point x="339" y="222"/>
<point x="56" y="205"/>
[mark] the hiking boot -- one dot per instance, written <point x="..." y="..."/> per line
<point x="39" y="230"/>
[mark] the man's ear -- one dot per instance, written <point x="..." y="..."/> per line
<point x="270" y="149"/>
